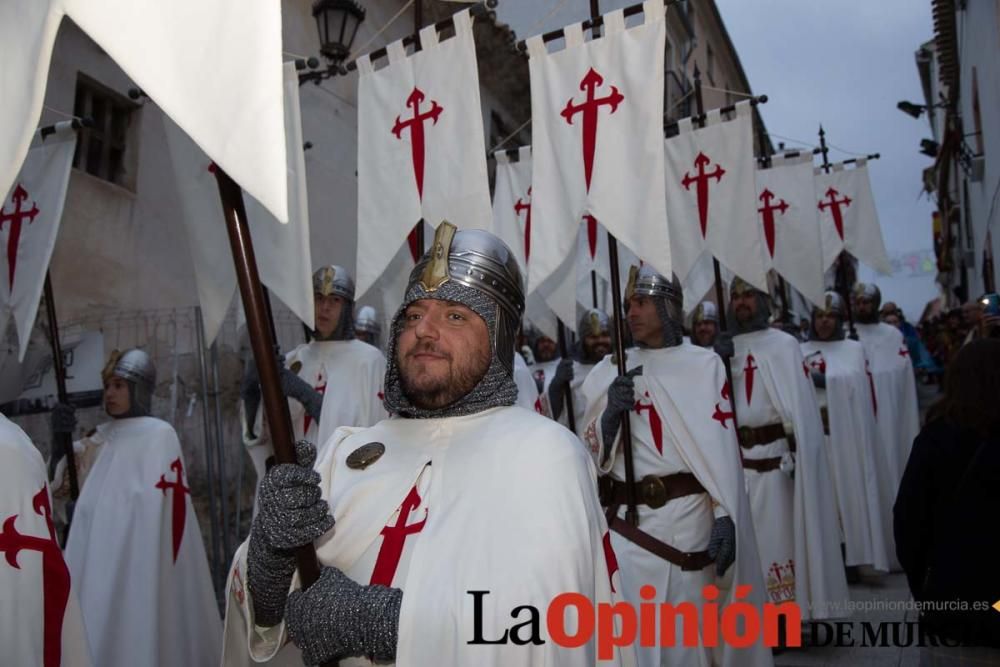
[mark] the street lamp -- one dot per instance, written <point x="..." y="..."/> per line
<point x="910" y="108"/>
<point x="337" y="23"/>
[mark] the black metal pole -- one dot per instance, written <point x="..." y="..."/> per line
<point x="719" y="297"/>
<point x="63" y="441"/>
<point x="564" y="353"/>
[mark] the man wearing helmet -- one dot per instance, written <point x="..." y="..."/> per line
<point x="845" y="395"/>
<point x="788" y="478"/>
<point x="594" y="343"/>
<point x="897" y="414"/>
<point x="135" y="532"/>
<point x="705" y="324"/>
<point x="694" y="516"/>
<point x="333" y="380"/>
<point x="459" y="491"/>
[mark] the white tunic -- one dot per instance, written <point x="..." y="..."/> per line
<point x="896" y="393"/>
<point x="676" y="428"/>
<point x="527" y="391"/>
<point x="349" y="374"/>
<point x="851" y="446"/>
<point x="40" y="580"/>
<point x="795" y="519"/>
<point x="501" y="501"/>
<point x="136" y="553"/>
<point x="580" y="373"/>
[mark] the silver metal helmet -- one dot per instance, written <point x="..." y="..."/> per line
<point x="594" y="323"/>
<point x="136" y="367"/>
<point x="869" y="291"/>
<point x="367" y="320"/>
<point x="334" y="280"/>
<point x="832" y="303"/>
<point x="705" y="312"/>
<point x="645" y="281"/>
<point x="477" y="259"/>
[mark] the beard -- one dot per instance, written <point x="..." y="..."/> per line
<point x="429" y="392"/>
<point x="597" y="351"/>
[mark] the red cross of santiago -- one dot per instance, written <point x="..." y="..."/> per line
<point x="55" y="574"/>
<point x="525" y="206"/>
<point x="16" y="218"/>
<point x="767" y="216"/>
<point x="834" y="205"/>
<point x="701" y="185"/>
<point x="589" y="108"/>
<point x="720" y="415"/>
<point x="416" y="127"/>
<point x="179" y="503"/>
<point x="394" y="538"/>
<point x="655" y="423"/>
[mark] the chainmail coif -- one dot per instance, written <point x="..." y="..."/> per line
<point x="495" y="389"/>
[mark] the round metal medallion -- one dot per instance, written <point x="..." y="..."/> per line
<point x="365" y="455"/>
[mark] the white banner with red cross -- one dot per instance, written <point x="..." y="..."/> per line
<point x="788" y="222"/>
<point x="282" y="250"/>
<point x="421" y="145"/>
<point x="597" y="124"/>
<point x="29" y="222"/>
<point x="848" y="219"/>
<point x="711" y="206"/>
<point x="213" y="67"/>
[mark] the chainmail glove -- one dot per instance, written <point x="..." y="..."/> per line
<point x="559" y="386"/>
<point x="621" y="398"/>
<point x="63" y="419"/>
<point x="724" y="346"/>
<point x="722" y="544"/>
<point x="290" y="513"/>
<point x="337" y="617"/>
<point x="250" y="394"/>
<point x="295" y="387"/>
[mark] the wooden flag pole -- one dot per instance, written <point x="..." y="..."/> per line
<point x="564" y="354"/>
<point x="631" y="510"/>
<point x="260" y="328"/>
<point x="723" y="320"/>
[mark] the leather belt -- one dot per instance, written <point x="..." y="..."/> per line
<point x="762" y="465"/>
<point x="824" y="413"/>
<point x="650" y="490"/>
<point x="750" y="437"/>
<point x="688" y="561"/>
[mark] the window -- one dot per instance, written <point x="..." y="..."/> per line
<point x="977" y="116"/>
<point x="710" y="69"/>
<point x="102" y="149"/>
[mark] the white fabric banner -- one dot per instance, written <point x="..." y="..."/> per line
<point x="29" y="222"/>
<point x="421" y="150"/>
<point x="597" y="122"/>
<point x="788" y="222"/>
<point x="512" y="205"/>
<point x="282" y="250"/>
<point x="848" y="219"/>
<point x="710" y="196"/>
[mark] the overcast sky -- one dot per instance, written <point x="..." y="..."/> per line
<point x="844" y="65"/>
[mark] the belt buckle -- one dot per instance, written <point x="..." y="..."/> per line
<point x="653" y="491"/>
<point x="744" y="434"/>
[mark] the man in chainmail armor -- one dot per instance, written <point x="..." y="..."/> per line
<point x="458" y="491"/>
<point x="694" y="517"/>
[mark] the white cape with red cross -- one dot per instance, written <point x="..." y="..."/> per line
<point x="40" y="622"/>
<point x="421" y="152"/>
<point x="711" y="207"/>
<point x="501" y="501"/>
<point x="788" y="223"/>
<point x="597" y="124"/>
<point x="136" y="554"/>
<point x="29" y="221"/>
<point x="848" y="219"/>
